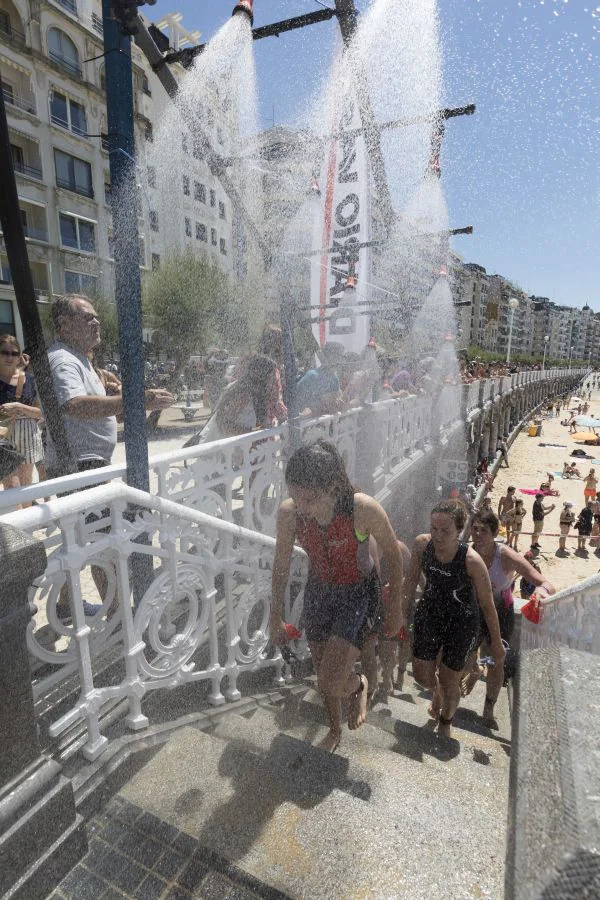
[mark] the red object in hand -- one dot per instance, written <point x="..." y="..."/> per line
<point x="403" y="634"/>
<point x="291" y="632"/>
<point x="532" y="610"/>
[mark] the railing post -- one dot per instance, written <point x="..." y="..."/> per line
<point x="41" y="835"/>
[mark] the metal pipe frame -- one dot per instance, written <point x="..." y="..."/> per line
<point x="188" y="54"/>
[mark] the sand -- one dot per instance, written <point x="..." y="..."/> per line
<point x="529" y="464"/>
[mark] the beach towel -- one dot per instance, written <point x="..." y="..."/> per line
<point x="535" y="491"/>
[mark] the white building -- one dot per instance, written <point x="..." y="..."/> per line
<point x="53" y="85"/>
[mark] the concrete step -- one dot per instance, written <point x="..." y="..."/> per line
<point x="365" y="822"/>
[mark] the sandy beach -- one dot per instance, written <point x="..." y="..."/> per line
<point x="529" y="463"/>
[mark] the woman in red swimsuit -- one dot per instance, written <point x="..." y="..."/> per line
<point x="342" y="599"/>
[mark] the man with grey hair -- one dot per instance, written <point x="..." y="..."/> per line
<point x="90" y="415"/>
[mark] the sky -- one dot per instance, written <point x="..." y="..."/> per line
<point x="524" y="170"/>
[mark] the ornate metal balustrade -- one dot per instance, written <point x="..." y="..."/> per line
<point x="203" y="616"/>
<point x="240" y="479"/>
<point x="570" y="618"/>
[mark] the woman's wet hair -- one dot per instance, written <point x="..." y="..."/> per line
<point x="9" y="339"/>
<point x="271" y="342"/>
<point x="259" y="371"/>
<point x="488" y="518"/>
<point x="454" y="508"/>
<point x="319" y="466"/>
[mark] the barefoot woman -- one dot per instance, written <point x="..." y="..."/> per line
<point x="342" y="599"/>
<point x="446" y="625"/>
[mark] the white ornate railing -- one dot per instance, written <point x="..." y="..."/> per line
<point x="570" y="618"/>
<point x="472" y="396"/>
<point x="240" y="479"/>
<point x="202" y="617"/>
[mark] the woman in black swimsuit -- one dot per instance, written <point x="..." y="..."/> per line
<point x="446" y="625"/>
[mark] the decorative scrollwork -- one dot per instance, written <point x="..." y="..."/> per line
<point x="184" y="605"/>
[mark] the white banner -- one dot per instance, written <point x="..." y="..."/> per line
<point x="343" y="223"/>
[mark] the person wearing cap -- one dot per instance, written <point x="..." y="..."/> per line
<point x="567" y="517"/>
<point x="539" y="513"/>
<point x="318" y="391"/>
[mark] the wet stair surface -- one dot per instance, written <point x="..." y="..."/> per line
<point x="240" y="804"/>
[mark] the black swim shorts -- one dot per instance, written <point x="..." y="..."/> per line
<point x="437" y="628"/>
<point x="349" y="611"/>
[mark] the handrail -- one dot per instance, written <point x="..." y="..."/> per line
<point x="203" y="615"/>
<point x="569" y="618"/>
<point x="401" y="424"/>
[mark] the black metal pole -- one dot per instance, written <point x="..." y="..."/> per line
<point x="18" y="260"/>
<point x="119" y="102"/>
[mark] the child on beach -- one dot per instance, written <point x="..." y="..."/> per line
<point x="567" y="517"/>
<point x="514" y="524"/>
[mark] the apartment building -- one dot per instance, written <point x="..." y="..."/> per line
<point x="52" y="71"/>
<point x="570" y="332"/>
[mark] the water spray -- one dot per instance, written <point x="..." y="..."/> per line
<point x="245" y="7"/>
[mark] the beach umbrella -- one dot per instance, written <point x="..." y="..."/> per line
<point x="587" y="421"/>
<point x="585" y="436"/>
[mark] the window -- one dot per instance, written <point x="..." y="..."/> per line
<point x="148" y="132"/>
<point x="213" y="236"/>
<point x="73" y="174"/>
<point x="79" y="234"/>
<point x="219" y="136"/>
<point x="213" y="198"/>
<point x="155" y="262"/>
<point x="78" y="283"/>
<point x="146" y="86"/>
<point x="223" y="246"/>
<point x="63" y="52"/>
<point x="153" y="220"/>
<point x="7" y="319"/>
<point x="199" y="192"/>
<point x="188" y="227"/>
<point x="68" y="113"/>
<point x="184" y="143"/>
<point x="151" y="177"/>
<point x="200" y="231"/>
<point x="221" y="209"/>
<point x="197" y="150"/>
<point x="186" y="185"/>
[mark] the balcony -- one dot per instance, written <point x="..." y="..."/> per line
<point x="70" y="66"/>
<point x="97" y="24"/>
<point x="86" y="190"/>
<point x="11" y="34"/>
<point x="27" y="171"/>
<point x="62" y="123"/>
<point x="26" y="104"/>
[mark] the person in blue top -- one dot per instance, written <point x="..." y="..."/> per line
<point x="318" y="392"/>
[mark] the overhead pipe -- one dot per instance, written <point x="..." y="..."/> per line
<point x="187" y="55"/>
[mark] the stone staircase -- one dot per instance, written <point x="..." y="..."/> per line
<point x="396" y="812"/>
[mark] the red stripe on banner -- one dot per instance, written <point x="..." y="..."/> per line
<point x="326" y="242"/>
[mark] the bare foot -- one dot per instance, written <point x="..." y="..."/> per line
<point x="387" y="687"/>
<point x="399" y="680"/>
<point x="433" y="710"/>
<point x="489" y="720"/>
<point x="445" y="728"/>
<point x="330" y="742"/>
<point x="469" y="680"/>
<point x="357" y="711"/>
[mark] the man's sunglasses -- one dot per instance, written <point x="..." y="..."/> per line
<point x="12" y="353"/>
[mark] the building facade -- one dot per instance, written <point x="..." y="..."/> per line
<point x="52" y="72"/>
